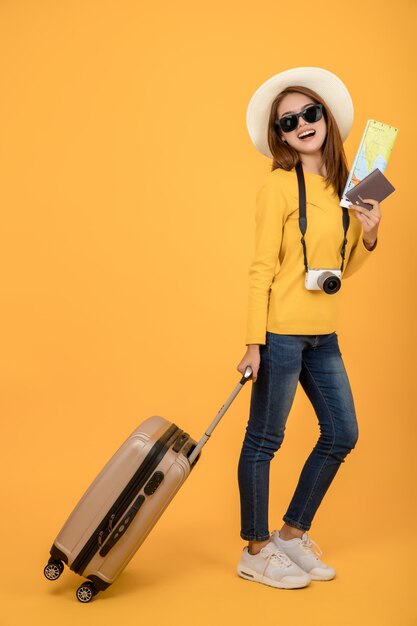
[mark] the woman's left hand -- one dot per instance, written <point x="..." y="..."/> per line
<point x="369" y="218"/>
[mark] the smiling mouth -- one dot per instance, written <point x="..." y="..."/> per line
<point x="310" y="134"/>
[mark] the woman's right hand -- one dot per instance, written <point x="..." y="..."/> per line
<point x="252" y="358"/>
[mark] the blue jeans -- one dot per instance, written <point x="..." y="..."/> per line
<point x="315" y="361"/>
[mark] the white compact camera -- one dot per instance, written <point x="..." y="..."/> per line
<point x="326" y="279"/>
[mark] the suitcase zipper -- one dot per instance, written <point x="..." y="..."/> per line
<point x="127" y="518"/>
<point x="136" y="483"/>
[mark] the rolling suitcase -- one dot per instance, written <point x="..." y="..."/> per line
<point x="125" y="501"/>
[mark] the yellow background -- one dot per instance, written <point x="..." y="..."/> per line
<point x="127" y="186"/>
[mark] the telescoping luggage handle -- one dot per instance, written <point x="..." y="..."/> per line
<point x="246" y="376"/>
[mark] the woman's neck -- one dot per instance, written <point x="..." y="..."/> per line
<point x="313" y="164"/>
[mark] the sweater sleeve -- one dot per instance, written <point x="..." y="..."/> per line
<point x="269" y="219"/>
<point x="358" y="256"/>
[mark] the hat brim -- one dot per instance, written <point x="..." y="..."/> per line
<point x="329" y="86"/>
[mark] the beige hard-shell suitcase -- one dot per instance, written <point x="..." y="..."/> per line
<point x="125" y="501"/>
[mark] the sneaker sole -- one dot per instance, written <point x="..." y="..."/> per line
<point x="318" y="577"/>
<point x="249" y="574"/>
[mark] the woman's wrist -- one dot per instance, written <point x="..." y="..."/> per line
<point x="369" y="245"/>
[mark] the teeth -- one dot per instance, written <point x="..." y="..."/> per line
<point x="308" y="132"/>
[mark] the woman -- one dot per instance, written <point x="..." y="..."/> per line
<point x="291" y="333"/>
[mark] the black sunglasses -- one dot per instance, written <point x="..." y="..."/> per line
<point x="287" y="123"/>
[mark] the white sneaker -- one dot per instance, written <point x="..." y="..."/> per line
<point x="272" y="567"/>
<point x="301" y="551"/>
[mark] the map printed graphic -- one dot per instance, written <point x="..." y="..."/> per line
<point x="374" y="152"/>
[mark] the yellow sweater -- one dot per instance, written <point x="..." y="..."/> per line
<point x="278" y="299"/>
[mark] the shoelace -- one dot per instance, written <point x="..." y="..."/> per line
<point x="276" y="556"/>
<point x="308" y="545"/>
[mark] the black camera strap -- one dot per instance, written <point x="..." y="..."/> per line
<point x="302" y="220"/>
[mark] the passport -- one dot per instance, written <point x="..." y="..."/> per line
<point x="375" y="186"/>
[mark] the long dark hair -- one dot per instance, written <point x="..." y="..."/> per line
<point x="286" y="157"/>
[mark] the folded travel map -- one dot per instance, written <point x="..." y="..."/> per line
<point x="374" y="152"/>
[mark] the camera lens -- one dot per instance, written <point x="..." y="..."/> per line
<point x="331" y="285"/>
<point x="329" y="282"/>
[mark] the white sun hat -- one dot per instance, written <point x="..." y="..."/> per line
<point x="329" y="86"/>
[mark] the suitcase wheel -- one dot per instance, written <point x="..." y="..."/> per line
<point x="86" y="592"/>
<point x="53" y="570"/>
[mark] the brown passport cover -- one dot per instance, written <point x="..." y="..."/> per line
<point x="375" y="186"/>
